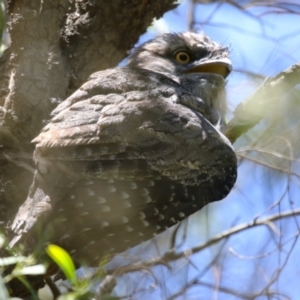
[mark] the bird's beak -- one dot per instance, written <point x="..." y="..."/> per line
<point x="220" y="66"/>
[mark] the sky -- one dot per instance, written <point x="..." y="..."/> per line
<point x="262" y="43"/>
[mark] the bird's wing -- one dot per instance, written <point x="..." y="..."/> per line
<point x="135" y="123"/>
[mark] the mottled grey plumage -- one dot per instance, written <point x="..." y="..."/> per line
<point x="134" y="151"/>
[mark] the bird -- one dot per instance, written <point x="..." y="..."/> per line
<point x="135" y="150"/>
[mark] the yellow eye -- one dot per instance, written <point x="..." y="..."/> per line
<point x="183" y="57"/>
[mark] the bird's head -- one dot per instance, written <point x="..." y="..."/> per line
<point x="176" y="54"/>
<point x="199" y="64"/>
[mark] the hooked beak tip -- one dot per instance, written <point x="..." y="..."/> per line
<point x="221" y="67"/>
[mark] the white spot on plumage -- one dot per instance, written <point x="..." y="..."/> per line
<point x="105" y="224"/>
<point x="111" y="189"/>
<point x="105" y="208"/>
<point x="148" y="199"/>
<point x="129" y="229"/>
<point x="86" y="229"/>
<point x="124" y="219"/>
<point x="144" y="192"/>
<point x="101" y="200"/>
<point x="133" y="185"/>
<point x="145" y="223"/>
<point x="79" y="204"/>
<point x="186" y="192"/>
<point x="127" y="204"/>
<point x="124" y="195"/>
<point x="181" y="215"/>
<point x="171" y="197"/>
<point x="64" y="237"/>
<point x="89" y="182"/>
<point x="142" y="215"/>
<point x="150" y="183"/>
<point x="90" y="192"/>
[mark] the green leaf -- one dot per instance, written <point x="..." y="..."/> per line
<point x="62" y="258"/>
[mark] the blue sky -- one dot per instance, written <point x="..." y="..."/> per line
<point x="246" y="262"/>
